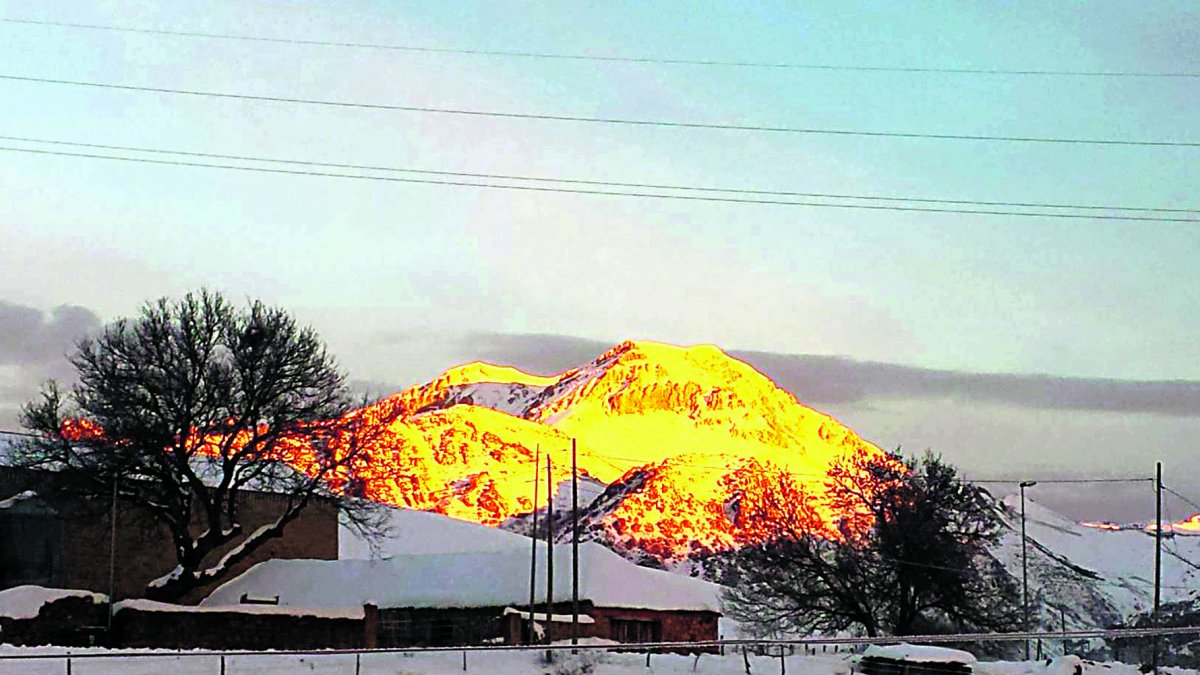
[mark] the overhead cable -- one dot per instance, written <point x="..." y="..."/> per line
<point x="607" y="120"/>
<point x="1194" y="505"/>
<point x="608" y="58"/>
<point x="607" y="193"/>
<point x="575" y="181"/>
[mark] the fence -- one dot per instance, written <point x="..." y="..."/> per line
<point x="359" y="661"/>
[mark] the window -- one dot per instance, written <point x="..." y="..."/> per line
<point x="636" y="630"/>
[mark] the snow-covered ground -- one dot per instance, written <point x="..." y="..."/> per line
<point x="1097" y="575"/>
<point x="24" y="602"/>
<point x="488" y="663"/>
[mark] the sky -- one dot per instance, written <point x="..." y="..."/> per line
<point x="1017" y="347"/>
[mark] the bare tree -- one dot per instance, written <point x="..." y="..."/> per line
<point x="908" y="555"/>
<point x="189" y="404"/>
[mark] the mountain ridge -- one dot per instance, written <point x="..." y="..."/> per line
<point x="691" y="419"/>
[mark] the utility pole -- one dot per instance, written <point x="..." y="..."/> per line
<point x="1025" y="563"/>
<point x="533" y="538"/>
<point x="549" y="559"/>
<point x="112" y="558"/>
<point x="1158" y="490"/>
<point x="574" y="546"/>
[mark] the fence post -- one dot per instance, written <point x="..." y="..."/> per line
<point x="68" y="665"/>
<point x="222" y="664"/>
<point x="746" y="657"/>
<point x="464" y="660"/>
<point x="647" y="658"/>
<point x="782" y="662"/>
<point x="357" y="663"/>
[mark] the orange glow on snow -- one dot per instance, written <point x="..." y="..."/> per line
<point x="1102" y="525"/>
<point x="81" y="430"/>
<point x="1189" y="526"/>
<point x="709" y="449"/>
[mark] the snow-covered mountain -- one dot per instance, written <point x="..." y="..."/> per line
<point x="1091" y="576"/>
<point x="676" y="438"/>
<point x="676" y="446"/>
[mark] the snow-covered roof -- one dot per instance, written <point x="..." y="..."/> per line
<point x="919" y="653"/>
<point x="476" y="579"/>
<point x="326" y="613"/>
<point x="422" y="532"/>
<point x="25" y="602"/>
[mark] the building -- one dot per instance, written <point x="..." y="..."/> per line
<point x="52" y="539"/>
<point x="483" y="597"/>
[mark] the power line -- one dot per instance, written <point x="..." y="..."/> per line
<point x="999" y="481"/>
<point x="1185" y="499"/>
<point x="607" y="193"/>
<point x="640" y="462"/>
<point x="608" y="120"/>
<point x="574" y="181"/>
<point x="606" y="58"/>
<point x="26" y="434"/>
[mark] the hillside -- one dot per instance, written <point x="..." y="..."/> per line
<point x="1090" y="576"/>
<point x="680" y="436"/>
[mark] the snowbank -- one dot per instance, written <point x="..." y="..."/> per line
<point x="919" y="653"/>
<point x="17" y="498"/>
<point x="25" y="602"/>
<point x="478" y="579"/>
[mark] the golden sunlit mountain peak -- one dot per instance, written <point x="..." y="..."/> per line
<point x="477" y="372"/>
<point x="686" y="439"/>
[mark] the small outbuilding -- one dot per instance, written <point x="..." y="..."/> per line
<point x="483" y="597"/>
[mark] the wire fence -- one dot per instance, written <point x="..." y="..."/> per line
<point x="481" y="658"/>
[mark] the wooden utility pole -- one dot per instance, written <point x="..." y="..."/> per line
<point x="533" y="538"/>
<point x="1158" y="490"/>
<point x="549" y="557"/>
<point x="574" y="546"/>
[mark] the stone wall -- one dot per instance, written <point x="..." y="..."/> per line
<point x="187" y="628"/>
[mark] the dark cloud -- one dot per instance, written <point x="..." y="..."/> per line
<point x="833" y="379"/>
<point x="33" y="348"/>
<point x="829" y="380"/>
<point x="29" y="336"/>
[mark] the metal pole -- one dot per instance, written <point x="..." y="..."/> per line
<point x="537" y="472"/>
<point x="549" y="558"/>
<point x="1158" y="487"/>
<point x="574" y="546"/>
<point x="1025" y="564"/>
<point x="1063" y="614"/>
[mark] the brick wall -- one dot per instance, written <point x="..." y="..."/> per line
<point x="676" y="626"/>
<point x="144" y="550"/>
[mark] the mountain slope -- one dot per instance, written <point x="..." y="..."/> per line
<point x="691" y="427"/>
<point x="1092" y="577"/>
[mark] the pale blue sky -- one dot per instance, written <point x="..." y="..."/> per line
<point x="394" y="274"/>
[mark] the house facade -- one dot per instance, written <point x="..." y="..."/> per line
<point x="50" y="538"/>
